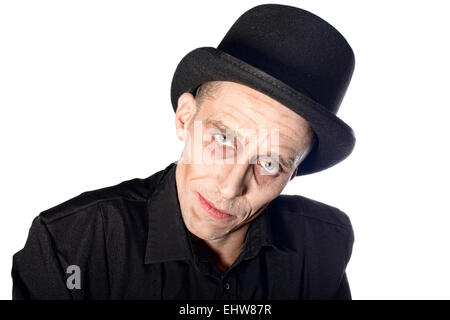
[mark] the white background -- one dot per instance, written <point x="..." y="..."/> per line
<point x="85" y="103"/>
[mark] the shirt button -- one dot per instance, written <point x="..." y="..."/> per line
<point x="226" y="286"/>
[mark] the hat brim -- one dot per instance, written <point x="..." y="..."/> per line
<point x="335" y="140"/>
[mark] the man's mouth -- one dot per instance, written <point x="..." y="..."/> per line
<point x="212" y="210"/>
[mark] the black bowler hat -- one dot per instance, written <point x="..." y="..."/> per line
<point x="291" y="55"/>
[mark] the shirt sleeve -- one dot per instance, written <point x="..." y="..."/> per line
<point x="344" y="292"/>
<point x="36" y="270"/>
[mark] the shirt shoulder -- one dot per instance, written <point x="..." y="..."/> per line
<point x="305" y="208"/>
<point x="312" y="227"/>
<point x="93" y="231"/>
<point x="134" y="190"/>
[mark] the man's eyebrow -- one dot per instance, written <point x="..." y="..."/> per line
<point x="285" y="162"/>
<point x="224" y="128"/>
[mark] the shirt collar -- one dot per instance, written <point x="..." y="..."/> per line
<point x="168" y="238"/>
<point x="167" y="234"/>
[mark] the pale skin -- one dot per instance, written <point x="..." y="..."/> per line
<point x="241" y="188"/>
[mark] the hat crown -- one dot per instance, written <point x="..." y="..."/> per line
<point x="291" y="55"/>
<point x="295" y="46"/>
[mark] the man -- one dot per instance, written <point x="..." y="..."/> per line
<point x="255" y="112"/>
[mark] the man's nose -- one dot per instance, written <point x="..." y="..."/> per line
<point x="233" y="180"/>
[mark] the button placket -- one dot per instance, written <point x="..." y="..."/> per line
<point x="229" y="287"/>
<point x="226" y="286"/>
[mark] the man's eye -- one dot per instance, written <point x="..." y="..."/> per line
<point x="270" y="166"/>
<point x="220" y="138"/>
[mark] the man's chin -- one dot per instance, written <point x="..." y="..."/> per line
<point x="209" y="229"/>
<point x="211" y="235"/>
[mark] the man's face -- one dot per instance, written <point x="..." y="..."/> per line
<point x="241" y="149"/>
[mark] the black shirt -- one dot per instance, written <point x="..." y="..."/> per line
<point x="130" y="242"/>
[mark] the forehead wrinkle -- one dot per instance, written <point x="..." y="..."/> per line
<point x="279" y="124"/>
<point x="282" y="123"/>
<point x="292" y="154"/>
<point x="291" y="138"/>
<point x="237" y="117"/>
<point x="286" y="136"/>
<point x="260" y="99"/>
<point x="304" y="133"/>
<point x="288" y="114"/>
<point x="235" y="120"/>
<point x="286" y="117"/>
<point x="260" y="117"/>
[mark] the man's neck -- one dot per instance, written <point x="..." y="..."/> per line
<point x="224" y="251"/>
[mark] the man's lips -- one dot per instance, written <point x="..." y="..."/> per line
<point x="213" y="211"/>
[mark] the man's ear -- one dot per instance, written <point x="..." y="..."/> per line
<point x="185" y="111"/>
